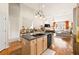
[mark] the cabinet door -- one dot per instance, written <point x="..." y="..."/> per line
<point x="33" y="47"/>
<point x="45" y="43"/>
<point x="39" y="45"/>
<point x="25" y="47"/>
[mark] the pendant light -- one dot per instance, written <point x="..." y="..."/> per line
<point x="39" y="13"/>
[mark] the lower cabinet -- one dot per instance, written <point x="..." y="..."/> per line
<point x="34" y="47"/>
<point x="39" y="45"/>
<point x="25" y="47"/>
<point x="45" y="43"/>
<point x="29" y="47"/>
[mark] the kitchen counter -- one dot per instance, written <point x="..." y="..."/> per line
<point x="31" y="36"/>
<point x="36" y="43"/>
<point x="28" y="36"/>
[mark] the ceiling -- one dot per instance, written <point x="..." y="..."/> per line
<point x="54" y="10"/>
<point x="49" y="5"/>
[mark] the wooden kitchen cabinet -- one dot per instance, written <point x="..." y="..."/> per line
<point x="29" y="47"/>
<point x="26" y="47"/>
<point x="33" y="46"/>
<point x="39" y="45"/>
<point x="45" y="43"/>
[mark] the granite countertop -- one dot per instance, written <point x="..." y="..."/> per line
<point x="28" y="36"/>
<point x="31" y="36"/>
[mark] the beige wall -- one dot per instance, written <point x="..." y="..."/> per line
<point x="28" y="17"/>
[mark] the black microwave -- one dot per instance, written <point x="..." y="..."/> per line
<point x="47" y="25"/>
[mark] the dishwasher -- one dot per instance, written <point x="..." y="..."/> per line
<point x="49" y="40"/>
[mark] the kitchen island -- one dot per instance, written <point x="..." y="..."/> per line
<point x="34" y="43"/>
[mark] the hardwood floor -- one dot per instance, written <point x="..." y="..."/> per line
<point x="14" y="49"/>
<point x="62" y="46"/>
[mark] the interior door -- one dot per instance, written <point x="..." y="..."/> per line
<point x="2" y="33"/>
